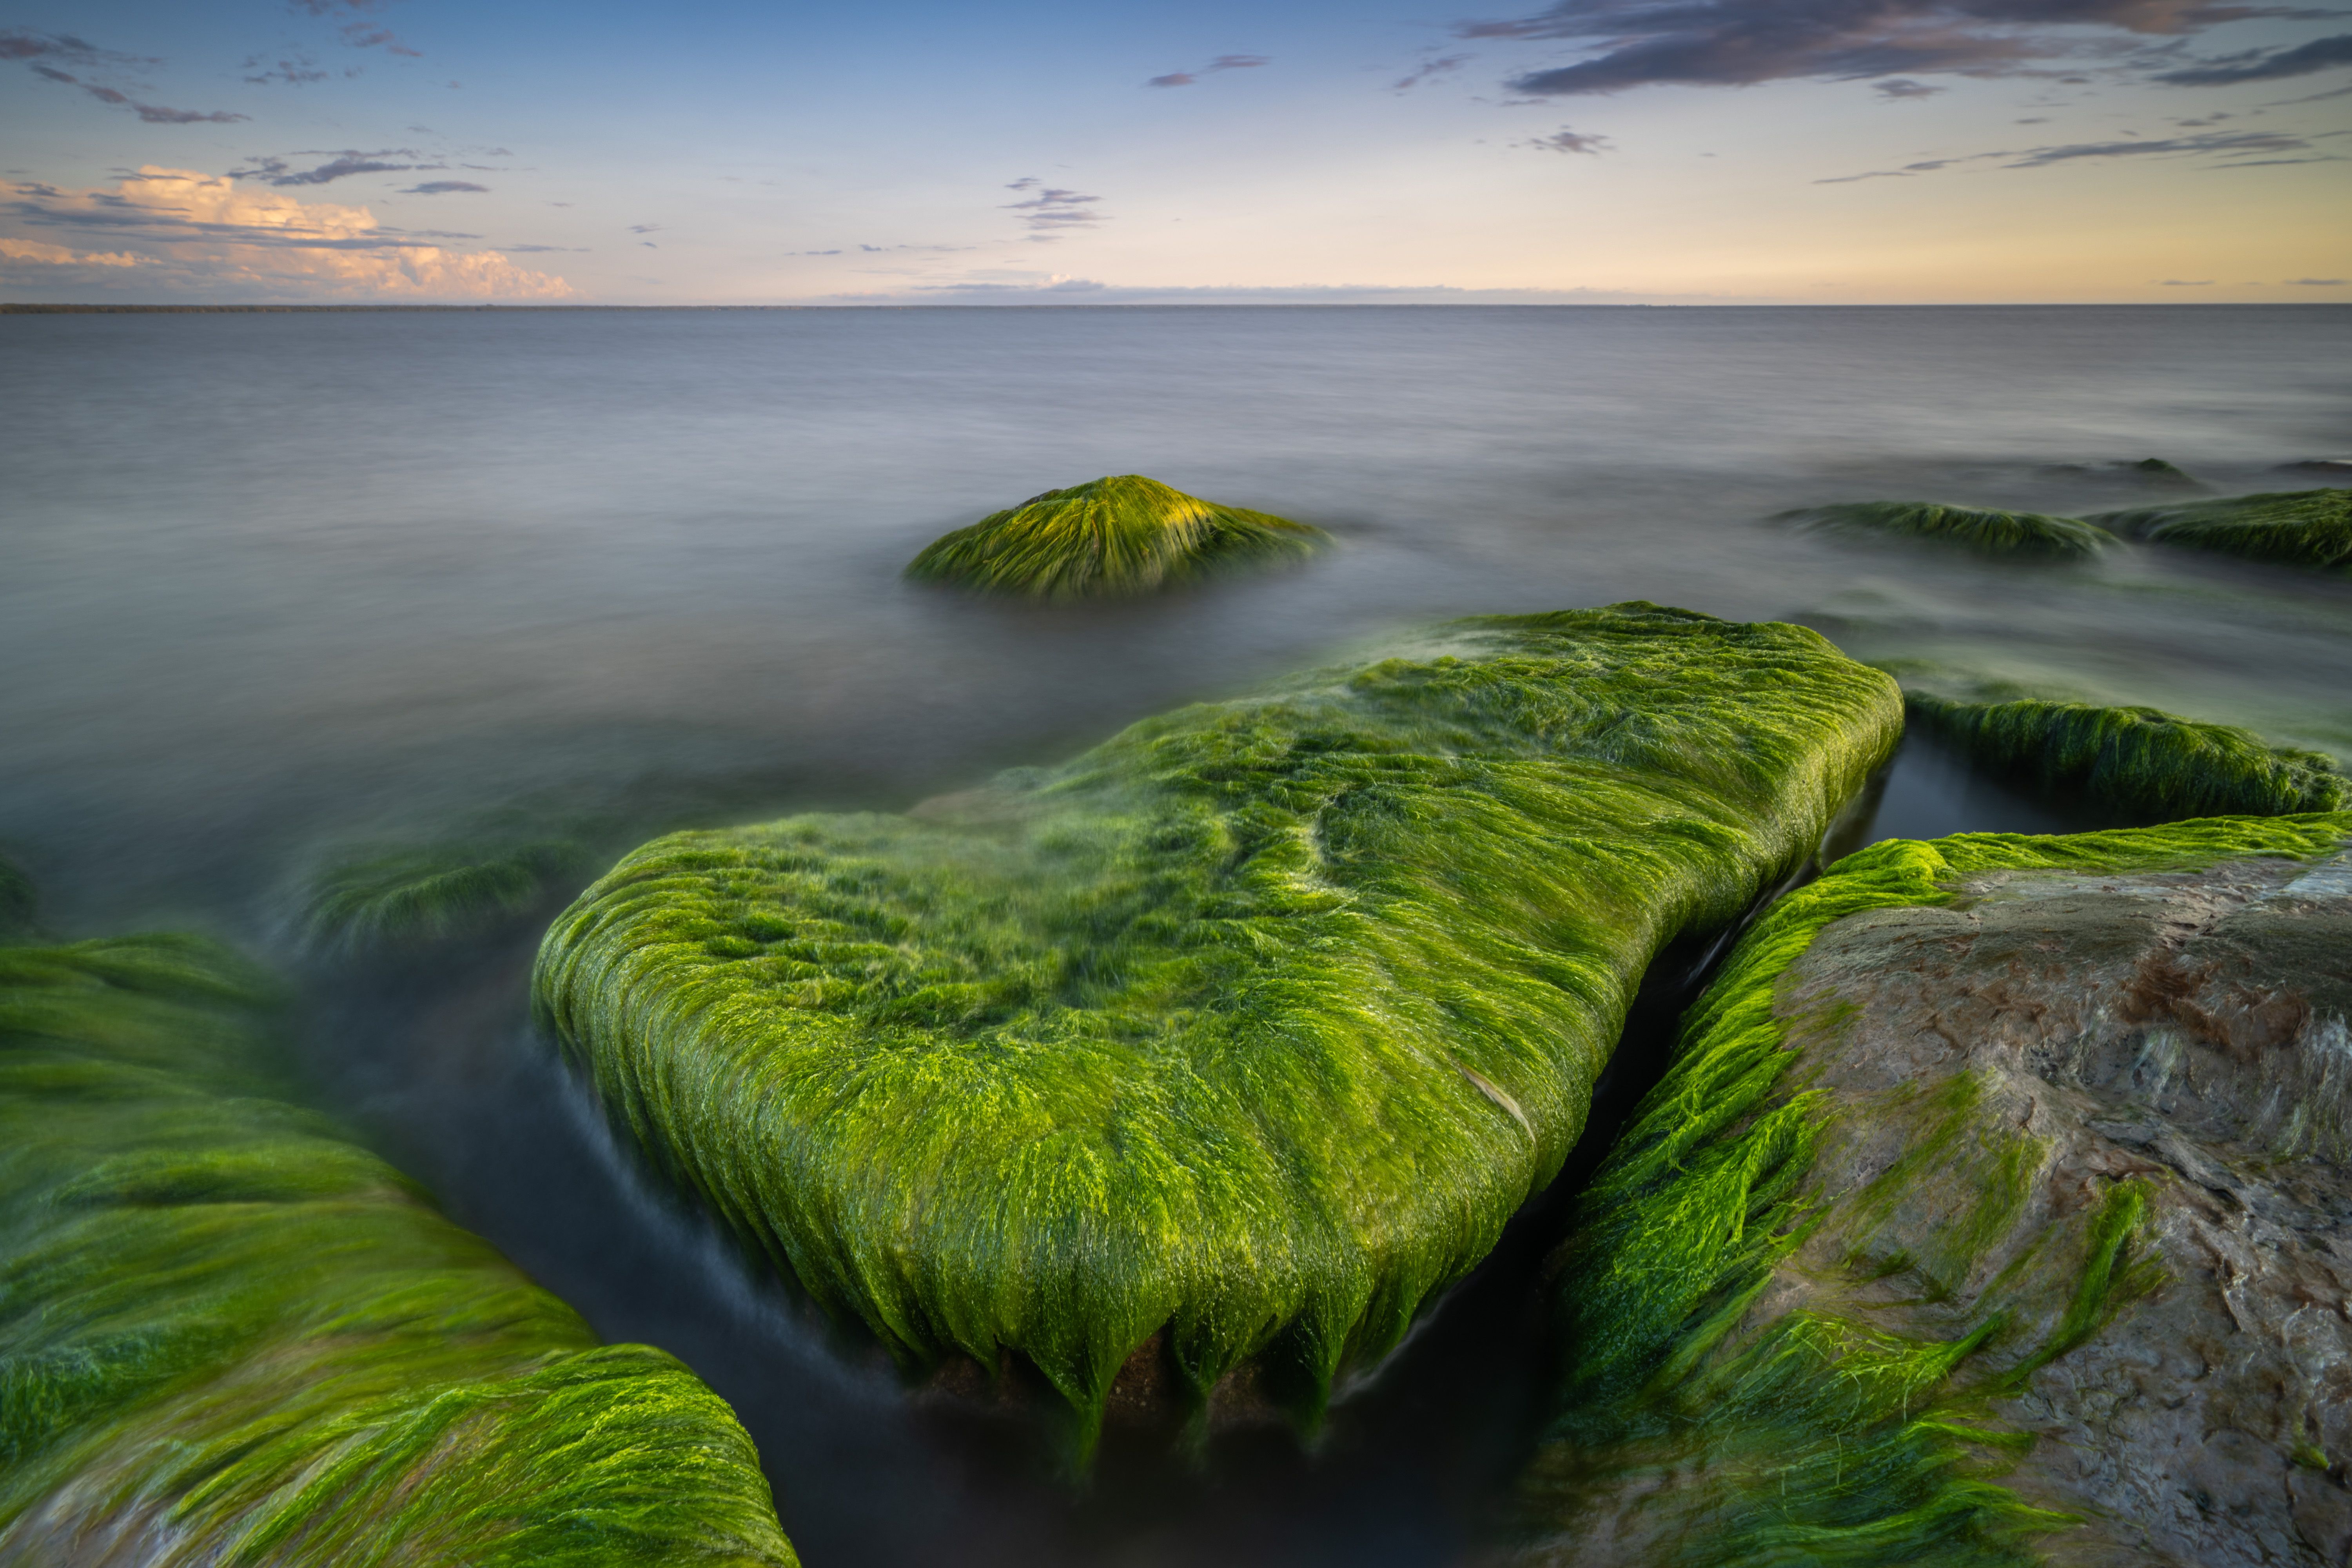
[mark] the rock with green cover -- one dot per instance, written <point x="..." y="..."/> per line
<point x="1995" y="1210"/>
<point x="2296" y="528"/>
<point x="1110" y="538"/>
<point x="1986" y="533"/>
<point x="2138" y="764"/>
<point x="1241" y="1034"/>
<point x="230" y="1336"/>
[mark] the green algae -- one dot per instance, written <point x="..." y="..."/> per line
<point x="422" y="895"/>
<point x="2296" y="528"/>
<point x="1120" y="535"/>
<point x="1985" y="532"/>
<point x="1812" y="1437"/>
<point x="230" y="1336"/>
<point x="2138" y="763"/>
<point x="1246" y="1030"/>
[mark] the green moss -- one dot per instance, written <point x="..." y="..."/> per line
<point x="19" y="903"/>
<point x="1986" y="532"/>
<point x="422" y="895"/>
<point x="2298" y="528"/>
<point x="1121" y="535"/>
<point x="2138" y="763"/>
<point x="1809" y="1436"/>
<point x="227" y="1330"/>
<point x="1252" y="1026"/>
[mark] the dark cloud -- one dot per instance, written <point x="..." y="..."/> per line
<point x="2258" y="65"/>
<point x="1052" y="209"/>
<point x="645" y="228"/>
<point x="294" y="72"/>
<point x="339" y="166"/>
<point x="443" y="188"/>
<point x="1566" y="141"/>
<point x="2230" y="150"/>
<point x="2314" y="282"/>
<point x="1903" y="87"/>
<point x="367" y="36"/>
<point x="1738" y="43"/>
<point x="17" y="45"/>
<point x="1222" y="63"/>
<point x="2187" y="282"/>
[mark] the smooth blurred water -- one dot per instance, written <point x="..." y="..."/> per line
<point x="274" y="583"/>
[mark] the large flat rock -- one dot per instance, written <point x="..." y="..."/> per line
<point x="1239" y="1036"/>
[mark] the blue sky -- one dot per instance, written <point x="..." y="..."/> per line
<point x="1806" y="151"/>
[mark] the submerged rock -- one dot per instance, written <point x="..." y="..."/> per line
<point x="420" y="895"/>
<point x="229" y="1335"/>
<point x="2138" y="764"/>
<point x="1986" y="533"/>
<point x="1111" y="537"/>
<point x="1996" y="1206"/>
<point x="2298" y="528"/>
<point x="1240" y="1035"/>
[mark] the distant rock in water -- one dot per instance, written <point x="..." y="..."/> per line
<point x="228" y="1334"/>
<point x="1986" y="532"/>
<point x="2297" y="528"/>
<point x="1232" y="1042"/>
<point x="2138" y="764"/>
<point x="2333" y="467"/>
<point x="1109" y="538"/>
<point x="1996" y="1209"/>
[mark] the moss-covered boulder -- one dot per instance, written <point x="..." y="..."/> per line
<point x="2017" y="533"/>
<point x="1110" y="538"/>
<point x="1241" y="1034"/>
<point x="1995" y="1206"/>
<point x="2136" y="764"/>
<point x="416" y="896"/>
<point x="2296" y="528"/>
<point x="229" y="1335"/>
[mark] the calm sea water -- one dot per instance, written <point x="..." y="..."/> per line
<point x="271" y="585"/>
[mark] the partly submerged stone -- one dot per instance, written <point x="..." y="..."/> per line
<point x="2299" y="528"/>
<point x="1995" y="1205"/>
<point x="229" y="1335"/>
<point x="1985" y="532"/>
<point x="1241" y="1034"/>
<point x="416" y="896"/>
<point x="2136" y="764"/>
<point x="1110" y="537"/>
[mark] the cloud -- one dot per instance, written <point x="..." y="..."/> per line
<point x="2230" y="148"/>
<point x="204" y="233"/>
<point x="341" y="166"/>
<point x="2187" y="282"/>
<point x="1738" y="43"/>
<point x="443" y="188"/>
<point x="1222" y="63"/>
<point x="295" y="71"/>
<point x="1902" y="87"/>
<point x="1429" y="71"/>
<point x="1052" y="209"/>
<point x="2256" y="65"/>
<point x="2313" y="282"/>
<point x="1566" y="141"/>
<point x="15" y="44"/>
<point x="60" y="255"/>
<point x="645" y="228"/>
<point x="153" y="113"/>
<point x="366" y="35"/>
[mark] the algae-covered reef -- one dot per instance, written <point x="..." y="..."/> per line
<point x="1995" y="1206"/>
<point x="230" y="1336"/>
<point x="1241" y="1034"/>
<point x="2297" y="528"/>
<point x="2138" y="763"/>
<point x="1124" y="535"/>
<point x="420" y="895"/>
<point x="1986" y="533"/>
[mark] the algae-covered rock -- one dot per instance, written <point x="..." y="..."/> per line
<point x="1995" y="1210"/>
<point x="2299" y="528"/>
<point x="1125" y="534"/>
<point x="418" y="895"/>
<point x="230" y="1336"/>
<point x="1986" y="533"/>
<point x="2136" y="763"/>
<point x="1246" y="1030"/>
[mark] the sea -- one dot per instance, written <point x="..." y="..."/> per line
<point x="277" y="588"/>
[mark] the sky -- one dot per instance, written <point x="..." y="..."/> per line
<point x="1668" y="152"/>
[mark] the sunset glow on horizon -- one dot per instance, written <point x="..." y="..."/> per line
<point x="1597" y="150"/>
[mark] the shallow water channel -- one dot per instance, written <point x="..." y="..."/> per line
<point x="386" y="579"/>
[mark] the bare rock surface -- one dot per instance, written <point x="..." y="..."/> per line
<point x="2189" y="1029"/>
